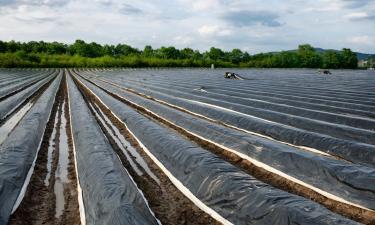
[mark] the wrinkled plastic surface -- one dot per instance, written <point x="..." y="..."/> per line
<point x="21" y="77"/>
<point x="350" y="181"/>
<point x="110" y="195"/>
<point x="19" y="150"/>
<point x="350" y="150"/>
<point x="12" y="102"/>
<point x="278" y="106"/>
<point x="14" y="87"/>
<point x="233" y="194"/>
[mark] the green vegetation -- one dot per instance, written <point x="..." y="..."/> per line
<point x="82" y="54"/>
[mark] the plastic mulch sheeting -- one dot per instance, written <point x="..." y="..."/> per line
<point x="9" y="104"/>
<point x="19" y="150"/>
<point x="13" y="87"/>
<point x="110" y="195"/>
<point x="339" y="177"/>
<point x="356" y="152"/>
<point x="235" y="195"/>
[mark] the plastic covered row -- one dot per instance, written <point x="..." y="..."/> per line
<point x="19" y="151"/>
<point x="339" y="177"/>
<point x="356" y="152"/>
<point x="110" y="196"/>
<point x="233" y="194"/>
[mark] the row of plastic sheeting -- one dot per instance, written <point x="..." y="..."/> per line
<point x="19" y="150"/>
<point x="9" y="104"/>
<point x="233" y="194"/>
<point x="302" y="102"/>
<point x="5" y="91"/>
<point x="17" y="77"/>
<point x="349" y="181"/>
<point x="278" y="106"/>
<point x="298" y="121"/>
<point x="356" y="152"/>
<point x="335" y="94"/>
<point x="110" y="196"/>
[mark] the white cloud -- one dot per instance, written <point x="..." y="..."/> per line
<point x="200" y="5"/>
<point x="362" y="40"/>
<point x="182" y="40"/>
<point x="325" y="6"/>
<point x="208" y="29"/>
<point x="204" y="4"/>
<point x="358" y="16"/>
<point x="214" y="30"/>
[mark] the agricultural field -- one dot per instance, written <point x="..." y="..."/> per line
<point x="186" y="146"/>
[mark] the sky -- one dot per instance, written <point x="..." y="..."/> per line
<point x="250" y="25"/>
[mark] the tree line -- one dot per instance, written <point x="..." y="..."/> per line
<point x="82" y="54"/>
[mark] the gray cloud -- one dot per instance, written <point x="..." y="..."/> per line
<point x="245" y="18"/>
<point x="50" y="3"/>
<point x="6" y="2"/>
<point x="105" y="3"/>
<point x="129" y="9"/>
<point x="38" y="20"/>
<point x="356" y="3"/>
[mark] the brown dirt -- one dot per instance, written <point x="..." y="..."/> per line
<point x="352" y="212"/>
<point x="170" y="206"/>
<point x="38" y="205"/>
<point x="71" y="207"/>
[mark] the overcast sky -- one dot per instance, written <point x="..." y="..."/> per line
<point x="251" y="25"/>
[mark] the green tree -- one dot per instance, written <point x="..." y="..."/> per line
<point x="332" y="59"/>
<point x="3" y="46"/>
<point x="236" y="56"/>
<point x="215" y="54"/>
<point x="286" y="60"/>
<point x="56" y="48"/>
<point x="148" y="51"/>
<point x="197" y="55"/>
<point x="125" y="50"/>
<point x="246" y="57"/>
<point x="109" y="50"/>
<point x="13" y="46"/>
<point x="349" y="59"/>
<point x="187" y="53"/>
<point x="308" y="57"/>
<point x="87" y="50"/>
<point x="168" y="53"/>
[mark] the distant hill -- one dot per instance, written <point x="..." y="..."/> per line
<point x="360" y="56"/>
